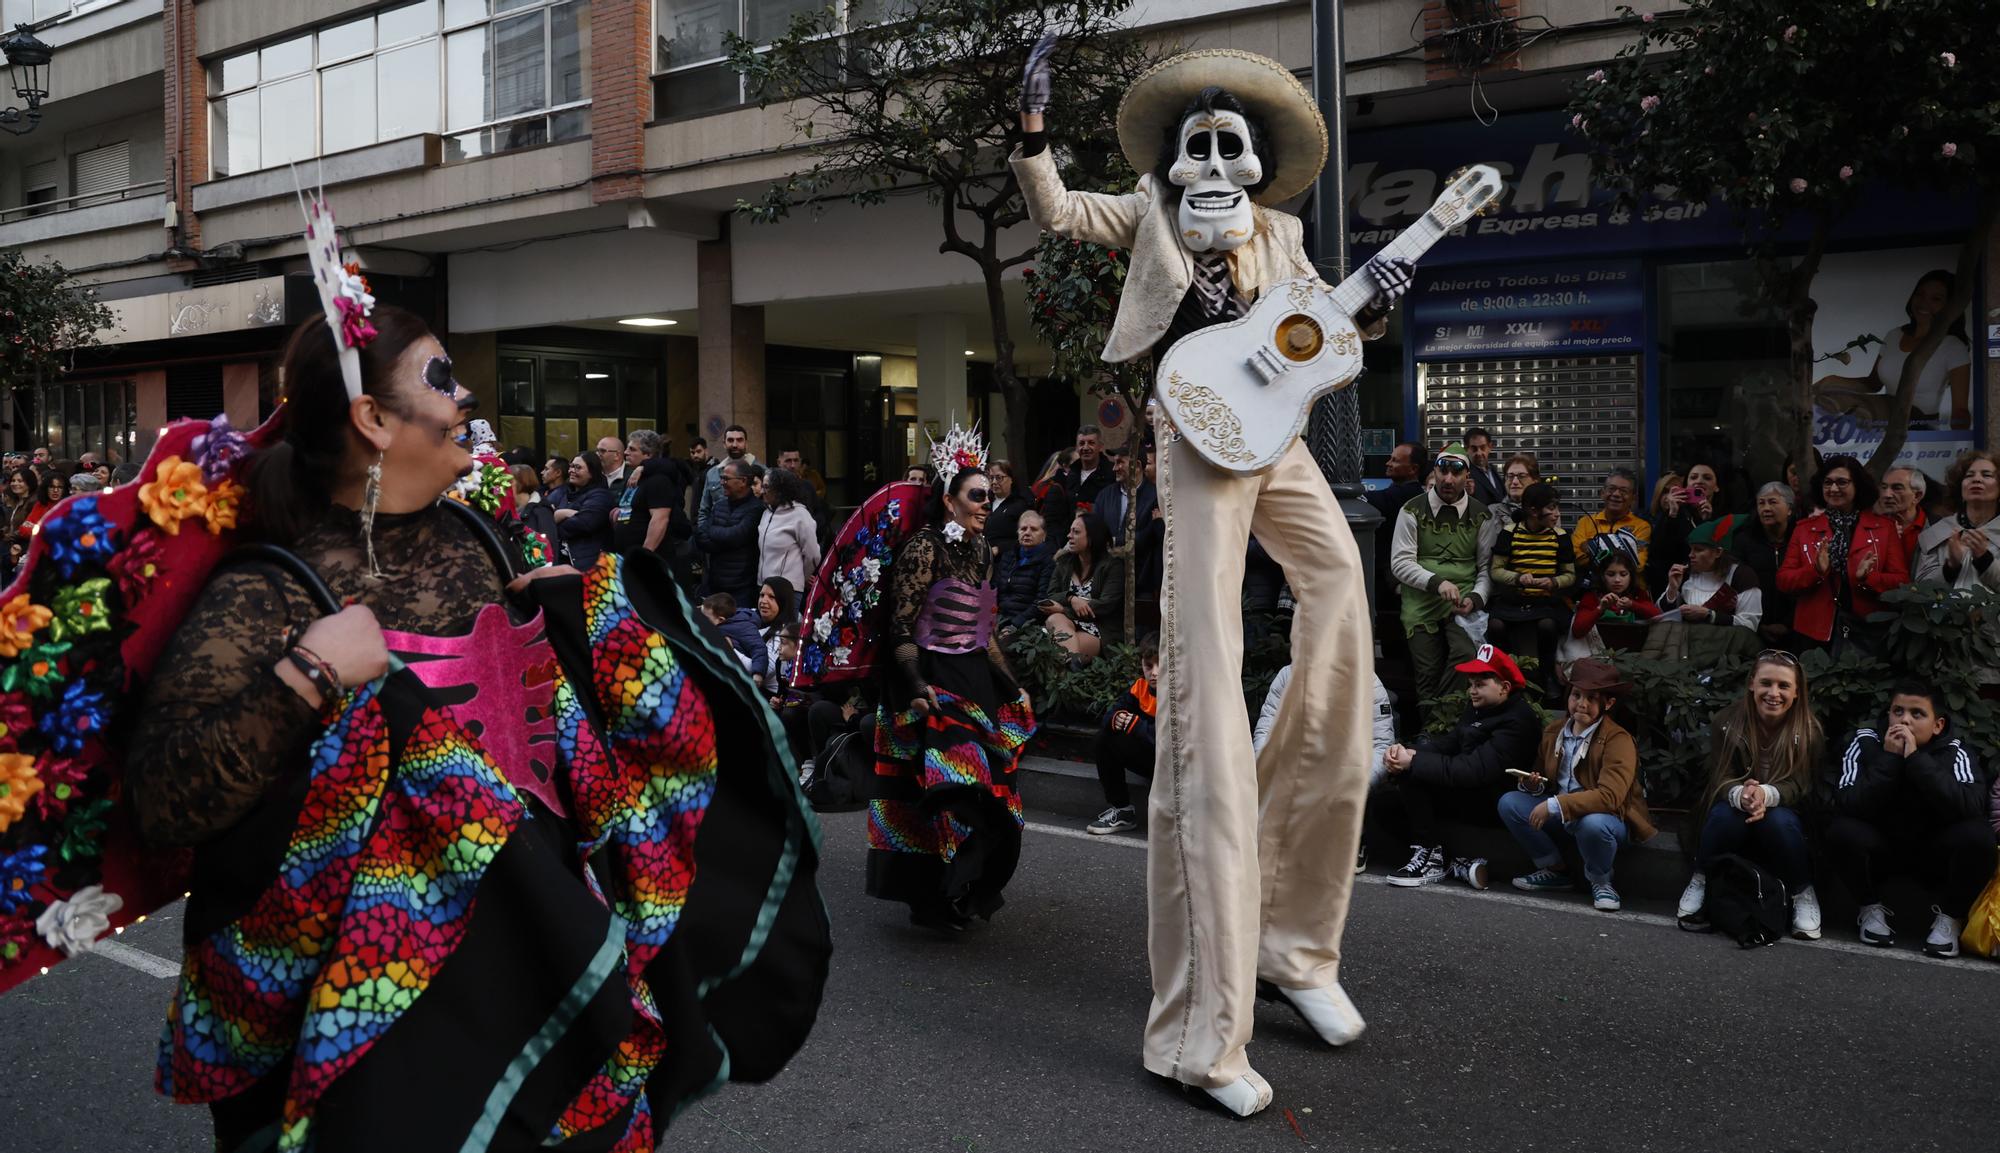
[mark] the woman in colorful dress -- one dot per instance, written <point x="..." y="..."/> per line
<point x="440" y="846"/>
<point x="944" y="820"/>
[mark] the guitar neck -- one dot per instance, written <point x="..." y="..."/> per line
<point x="1354" y="293"/>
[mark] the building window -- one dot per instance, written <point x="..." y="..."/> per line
<point x="39" y="188"/>
<point x="561" y="402"/>
<point x="97" y="416"/>
<point x="102" y="174"/>
<point x="492" y="74"/>
<point x="692" y="39"/>
<point x="1725" y="367"/>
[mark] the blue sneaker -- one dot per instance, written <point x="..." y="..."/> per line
<point x="1604" y="898"/>
<point x="1543" y="881"/>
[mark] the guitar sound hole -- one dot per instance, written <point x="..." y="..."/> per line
<point x="1300" y="338"/>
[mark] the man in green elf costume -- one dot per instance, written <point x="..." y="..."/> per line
<point x="1439" y="555"/>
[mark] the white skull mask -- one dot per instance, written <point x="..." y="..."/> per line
<point x="1214" y="172"/>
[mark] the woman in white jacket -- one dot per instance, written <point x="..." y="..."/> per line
<point x="1963" y="550"/>
<point x="787" y="537"/>
<point x="1384" y="735"/>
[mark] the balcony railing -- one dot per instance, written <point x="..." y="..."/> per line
<point x="82" y="200"/>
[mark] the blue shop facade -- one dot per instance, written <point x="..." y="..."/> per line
<point x="1596" y="337"/>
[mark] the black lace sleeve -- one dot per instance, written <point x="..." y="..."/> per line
<point x="916" y="570"/>
<point x="217" y="726"/>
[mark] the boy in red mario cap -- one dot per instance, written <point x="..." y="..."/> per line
<point x="1458" y="775"/>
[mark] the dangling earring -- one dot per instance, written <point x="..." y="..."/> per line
<point x="370" y="497"/>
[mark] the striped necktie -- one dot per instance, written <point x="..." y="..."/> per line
<point x="1217" y="291"/>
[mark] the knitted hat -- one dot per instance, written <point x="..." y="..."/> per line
<point x="1454" y="451"/>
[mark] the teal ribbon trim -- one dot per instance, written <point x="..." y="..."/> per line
<point x="580" y="994"/>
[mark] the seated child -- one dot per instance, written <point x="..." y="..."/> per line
<point x="740" y="627"/>
<point x="1125" y="744"/>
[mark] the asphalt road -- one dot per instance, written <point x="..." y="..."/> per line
<point x="1496" y="1022"/>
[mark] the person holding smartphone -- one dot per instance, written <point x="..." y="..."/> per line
<point x="1584" y="790"/>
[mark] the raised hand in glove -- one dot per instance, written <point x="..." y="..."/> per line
<point x="1392" y="275"/>
<point x="1038" y="78"/>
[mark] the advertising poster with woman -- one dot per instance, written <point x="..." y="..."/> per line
<point x="1874" y="308"/>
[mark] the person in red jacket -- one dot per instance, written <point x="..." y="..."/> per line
<point x="1842" y="558"/>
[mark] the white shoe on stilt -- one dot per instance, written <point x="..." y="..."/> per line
<point x="1247" y="1095"/>
<point x="1328" y="1010"/>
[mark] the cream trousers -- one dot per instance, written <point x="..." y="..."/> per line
<point x="1250" y="859"/>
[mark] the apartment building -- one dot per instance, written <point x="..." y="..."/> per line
<point x="552" y="184"/>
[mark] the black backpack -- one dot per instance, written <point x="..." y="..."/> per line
<point x="834" y="786"/>
<point x="1746" y="902"/>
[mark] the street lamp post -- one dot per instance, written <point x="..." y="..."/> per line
<point x="28" y="75"/>
<point x="1334" y="431"/>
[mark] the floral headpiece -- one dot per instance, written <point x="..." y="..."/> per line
<point x="343" y="292"/>
<point x="959" y="449"/>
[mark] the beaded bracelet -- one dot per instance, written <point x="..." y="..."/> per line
<point x="317" y="671"/>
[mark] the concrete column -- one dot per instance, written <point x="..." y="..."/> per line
<point x="239" y="394"/>
<point x="731" y="353"/>
<point x="152" y="389"/>
<point x="941" y="369"/>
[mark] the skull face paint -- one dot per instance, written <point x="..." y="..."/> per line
<point x="1214" y="172"/>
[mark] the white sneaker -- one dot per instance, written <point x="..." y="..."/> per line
<point x="1874" y="922"/>
<point x="1805" y="914"/>
<point x="1327" y="1010"/>
<point x="1943" y="941"/>
<point x="1247" y="1095"/>
<point x="1693" y="897"/>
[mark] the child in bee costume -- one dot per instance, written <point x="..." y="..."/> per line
<point x="1251" y="856"/>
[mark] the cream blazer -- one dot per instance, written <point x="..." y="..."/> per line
<point x="1161" y="269"/>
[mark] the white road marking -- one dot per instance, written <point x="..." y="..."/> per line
<point x="138" y="959"/>
<point x="1557" y="905"/>
<point x="1129" y="842"/>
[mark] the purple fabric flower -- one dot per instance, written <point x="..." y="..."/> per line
<point x="79" y="536"/>
<point x="75" y="719"/>
<point x="218" y="450"/>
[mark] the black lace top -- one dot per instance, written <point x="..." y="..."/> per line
<point x="218" y="727"/>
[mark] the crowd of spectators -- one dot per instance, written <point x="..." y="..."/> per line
<point x="35" y="481"/>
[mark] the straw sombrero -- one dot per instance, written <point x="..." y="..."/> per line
<point x="1160" y="95"/>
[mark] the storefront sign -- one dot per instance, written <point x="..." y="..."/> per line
<point x="1931" y="450"/>
<point x="1865" y="301"/>
<point x="1554" y="204"/>
<point x="198" y="311"/>
<point x="1576" y="309"/>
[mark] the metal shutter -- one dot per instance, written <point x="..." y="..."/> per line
<point x="1579" y="416"/>
<point x="103" y="170"/>
<point x="47" y="174"/>
<point x="194" y="391"/>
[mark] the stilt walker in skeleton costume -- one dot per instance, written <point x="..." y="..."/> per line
<point x="1250" y="858"/>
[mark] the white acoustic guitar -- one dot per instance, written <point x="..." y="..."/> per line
<point x="1240" y="391"/>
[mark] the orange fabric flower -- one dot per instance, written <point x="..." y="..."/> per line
<point x="20" y="620"/>
<point x="223" y="500"/>
<point x="18" y="782"/>
<point x="175" y="494"/>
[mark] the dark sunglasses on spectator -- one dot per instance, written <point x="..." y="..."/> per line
<point x="1452" y="464"/>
